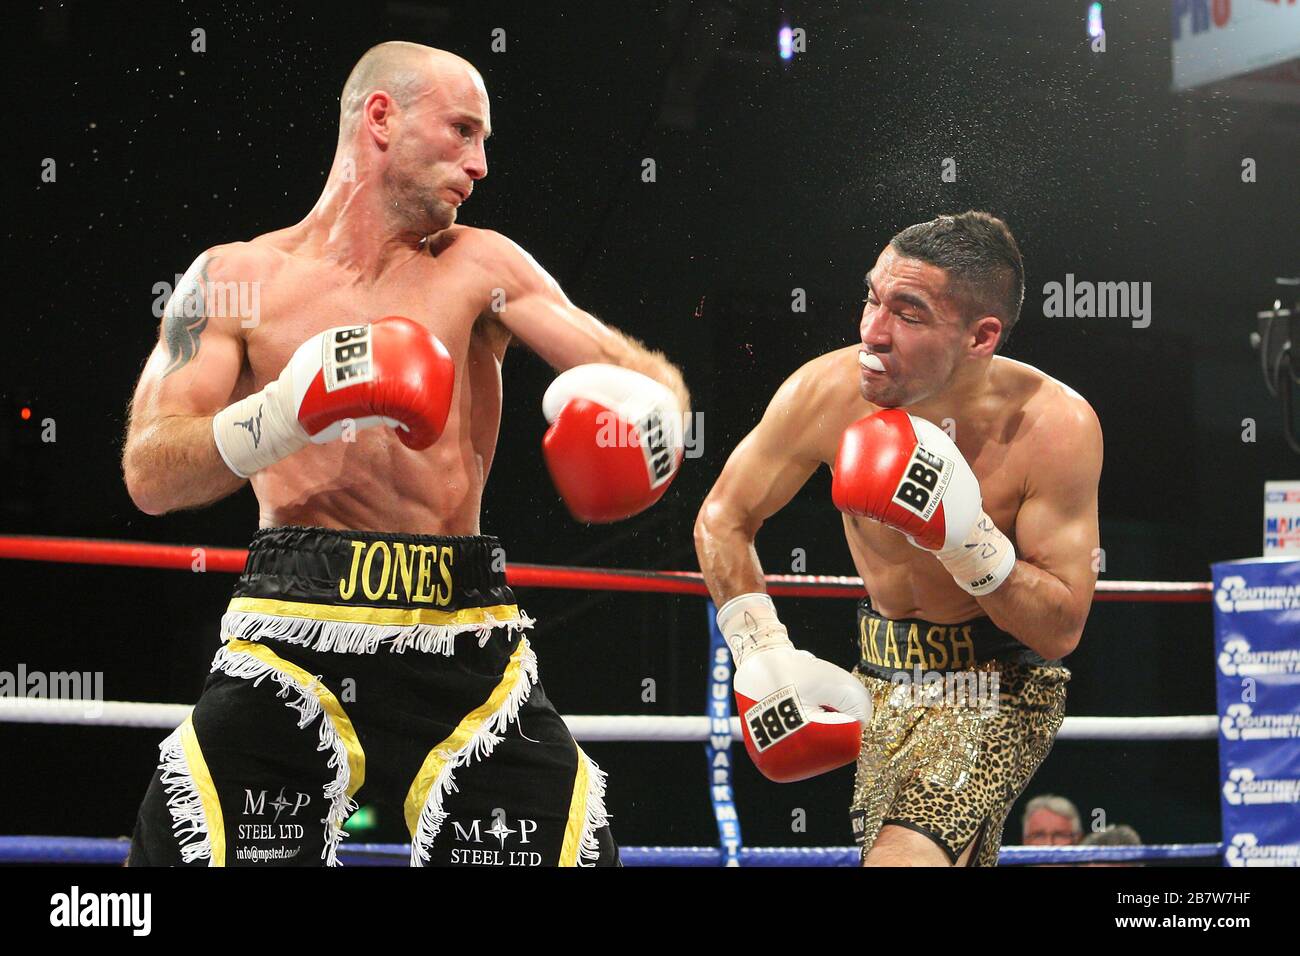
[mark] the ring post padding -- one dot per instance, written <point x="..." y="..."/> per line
<point x="718" y="746"/>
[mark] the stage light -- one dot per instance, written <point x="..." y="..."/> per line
<point x="1095" y="29"/>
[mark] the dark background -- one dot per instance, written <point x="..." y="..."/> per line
<point x="770" y="176"/>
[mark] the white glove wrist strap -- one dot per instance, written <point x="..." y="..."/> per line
<point x="749" y="625"/>
<point x="259" y="430"/>
<point x="983" y="561"/>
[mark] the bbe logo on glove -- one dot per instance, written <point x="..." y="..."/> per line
<point x="347" y="358"/>
<point x="658" y="456"/>
<point x="615" y="441"/>
<point x="775" y="717"/>
<point x="924" y="482"/>
<point x="858" y="821"/>
<point x="906" y="473"/>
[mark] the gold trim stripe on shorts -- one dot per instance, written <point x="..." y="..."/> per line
<point x="357" y="614"/>
<point x="329" y="703"/>
<point x="207" y="791"/>
<point x="577" y="814"/>
<point x="459" y="738"/>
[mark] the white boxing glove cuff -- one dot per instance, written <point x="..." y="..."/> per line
<point x="749" y="625"/>
<point x="983" y="561"/>
<point x="256" y="432"/>
<point x="632" y="396"/>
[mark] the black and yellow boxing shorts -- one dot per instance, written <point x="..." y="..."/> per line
<point x="388" y="667"/>
<point x="964" y="715"/>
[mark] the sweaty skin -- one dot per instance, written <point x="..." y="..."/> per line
<point x="1033" y="443"/>
<point x="1002" y="439"/>
<point x="380" y="241"/>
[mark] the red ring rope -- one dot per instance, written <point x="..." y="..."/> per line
<point x="181" y="557"/>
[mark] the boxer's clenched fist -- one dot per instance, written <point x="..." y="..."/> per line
<point x="393" y="372"/>
<point x="801" y="716"/>
<point x="615" y="441"/>
<point x="905" y="472"/>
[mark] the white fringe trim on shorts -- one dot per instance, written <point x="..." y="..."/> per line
<point x="301" y="698"/>
<point x="486" y="736"/>
<point x="189" y="824"/>
<point x="597" y="817"/>
<point x="346" y="637"/>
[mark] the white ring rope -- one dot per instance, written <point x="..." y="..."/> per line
<point x="623" y="728"/>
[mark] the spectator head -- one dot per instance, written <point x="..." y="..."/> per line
<point x="1050" y="820"/>
<point x="1119" y="834"/>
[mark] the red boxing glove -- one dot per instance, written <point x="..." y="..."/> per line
<point x="800" y="716"/>
<point x="905" y="472"/>
<point x="393" y="372"/>
<point x="615" y="441"/>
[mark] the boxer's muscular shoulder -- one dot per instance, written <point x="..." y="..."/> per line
<point x="1054" y="416"/>
<point x="822" y="398"/>
<point x="494" y="255"/>
<point x="254" y="260"/>
<point x="487" y="266"/>
<point x="208" y="299"/>
<point x="222" y="273"/>
<point x="829" y="384"/>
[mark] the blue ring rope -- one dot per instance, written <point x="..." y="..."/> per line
<point x="93" y="850"/>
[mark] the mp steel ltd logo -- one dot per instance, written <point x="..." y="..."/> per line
<point x="1243" y="787"/>
<point x="1238" y="660"/>
<point x="480" y="834"/>
<point x="1239" y="722"/>
<point x="257" y="806"/>
<point x="1233" y="596"/>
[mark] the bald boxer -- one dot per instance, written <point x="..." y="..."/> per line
<point x="968" y="484"/>
<point x="372" y="648"/>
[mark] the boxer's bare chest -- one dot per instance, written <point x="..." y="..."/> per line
<point x="906" y="581"/>
<point x="1002" y="471"/>
<point x="372" y="482"/>
<point x="303" y="296"/>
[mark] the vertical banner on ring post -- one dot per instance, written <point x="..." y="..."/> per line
<point x="718" y="748"/>
<point x="1257" y="639"/>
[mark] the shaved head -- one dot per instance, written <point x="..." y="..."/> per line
<point x="405" y="71"/>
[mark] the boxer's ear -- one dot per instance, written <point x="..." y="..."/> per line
<point x="985" y="335"/>
<point x="377" y="115"/>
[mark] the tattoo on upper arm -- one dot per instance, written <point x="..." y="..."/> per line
<point x="186" y="318"/>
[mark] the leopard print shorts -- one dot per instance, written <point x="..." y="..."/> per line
<point x="952" y="771"/>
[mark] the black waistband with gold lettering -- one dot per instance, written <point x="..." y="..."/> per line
<point x="890" y="646"/>
<point x="359" y="591"/>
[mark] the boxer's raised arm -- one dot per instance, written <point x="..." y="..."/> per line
<point x="169" y="458"/>
<point x="763" y="473"/>
<point x="532" y="306"/>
